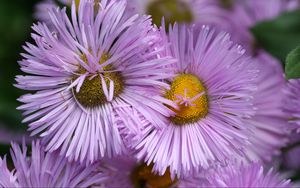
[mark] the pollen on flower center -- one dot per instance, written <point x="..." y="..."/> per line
<point x="143" y="177"/>
<point x="172" y="11"/>
<point x="92" y="92"/>
<point x="191" y="97"/>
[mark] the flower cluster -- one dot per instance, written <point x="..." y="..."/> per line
<point x="152" y="93"/>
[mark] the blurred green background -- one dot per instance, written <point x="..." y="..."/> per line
<point x="16" y="18"/>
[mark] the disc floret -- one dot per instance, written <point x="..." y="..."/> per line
<point x="190" y="95"/>
<point x="99" y="88"/>
<point x="143" y="176"/>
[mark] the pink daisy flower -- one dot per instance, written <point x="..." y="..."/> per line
<point x="97" y="71"/>
<point x="45" y="170"/>
<point x="270" y="122"/>
<point x="213" y="89"/>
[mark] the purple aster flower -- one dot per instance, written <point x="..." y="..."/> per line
<point x="94" y="73"/>
<point x="252" y="175"/>
<point x="213" y="89"/>
<point x="196" y="181"/>
<point x="236" y="175"/>
<point x="7" y="178"/>
<point x="180" y="11"/>
<point x="43" y="8"/>
<point x="291" y="106"/>
<point x="125" y="171"/>
<point x="244" y="14"/>
<point x="270" y="121"/>
<point x="291" y="159"/>
<point x="263" y="10"/>
<point x="290" y="156"/>
<point x="45" y="170"/>
<point x="292" y="103"/>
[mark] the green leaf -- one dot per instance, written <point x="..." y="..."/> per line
<point x="292" y="64"/>
<point x="279" y="36"/>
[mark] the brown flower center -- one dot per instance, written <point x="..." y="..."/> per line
<point x="91" y="93"/>
<point x="143" y="177"/>
<point x="172" y="10"/>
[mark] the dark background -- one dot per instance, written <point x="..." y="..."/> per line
<point x="16" y="18"/>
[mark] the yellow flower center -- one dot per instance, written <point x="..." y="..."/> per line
<point x="91" y="93"/>
<point x="143" y="177"/>
<point x="172" y="10"/>
<point x="191" y="97"/>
